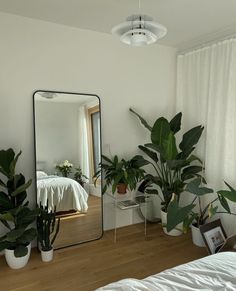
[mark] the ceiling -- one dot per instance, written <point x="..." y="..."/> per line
<point x="189" y="22"/>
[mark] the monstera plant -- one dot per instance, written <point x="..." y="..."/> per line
<point x="15" y="214"/>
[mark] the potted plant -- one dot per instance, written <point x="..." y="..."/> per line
<point x="195" y="214"/>
<point x="80" y="177"/>
<point x="173" y="165"/>
<point x="121" y="174"/>
<point x="65" y="168"/>
<point x="48" y="228"/>
<point x="15" y="214"/>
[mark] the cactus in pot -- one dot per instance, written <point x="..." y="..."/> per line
<point x="48" y="226"/>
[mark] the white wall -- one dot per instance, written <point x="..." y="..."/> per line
<point x="56" y="134"/>
<point x="39" y="55"/>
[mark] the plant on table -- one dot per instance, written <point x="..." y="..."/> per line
<point x="120" y="174"/>
<point x="15" y="214"/>
<point x="65" y="168"/>
<point x="173" y="166"/>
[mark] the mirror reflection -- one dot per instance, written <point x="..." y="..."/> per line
<point x="68" y="151"/>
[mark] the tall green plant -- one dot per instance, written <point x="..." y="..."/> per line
<point x="173" y="165"/>
<point x="48" y="227"/>
<point x="15" y="214"/>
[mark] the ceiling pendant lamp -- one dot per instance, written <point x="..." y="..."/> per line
<point x="139" y="30"/>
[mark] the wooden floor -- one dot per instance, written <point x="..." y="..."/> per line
<point x="79" y="228"/>
<point x="91" y="265"/>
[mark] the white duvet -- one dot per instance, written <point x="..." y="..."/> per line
<point x="64" y="193"/>
<point x="215" y="272"/>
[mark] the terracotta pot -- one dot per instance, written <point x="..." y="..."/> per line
<point x="197" y="237"/>
<point x="121" y="188"/>
<point x="178" y="230"/>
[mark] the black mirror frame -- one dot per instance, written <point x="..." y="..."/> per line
<point x="35" y="161"/>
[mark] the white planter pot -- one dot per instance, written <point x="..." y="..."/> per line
<point x="47" y="256"/>
<point x="14" y="262"/>
<point x="197" y="237"/>
<point x="178" y="230"/>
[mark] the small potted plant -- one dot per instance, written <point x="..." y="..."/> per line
<point x="174" y="165"/>
<point x="48" y="228"/>
<point x="80" y="177"/>
<point x="195" y="214"/>
<point x="121" y="174"/>
<point x="65" y="168"/>
<point x="15" y="214"/>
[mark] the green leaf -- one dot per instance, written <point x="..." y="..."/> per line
<point x="106" y="159"/>
<point x="13" y="235"/>
<point x="6" y="157"/>
<point x="176" y="164"/>
<point x="194" y="187"/>
<point x="176" y="214"/>
<point x="20" y="251"/>
<point x="175" y="123"/>
<point x="190" y="138"/>
<point x="230" y="195"/>
<point x="190" y="171"/>
<point x="4" y="245"/>
<point x="142" y="120"/>
<point x="138" y="161"/>
<point x="169" y="147"/>
<point x="149" y="153"/>
<point x="7" y="216"/>
<point x="224" y="203"/>
<point x="27" y="236"/>
<point x="13" y="164"/>
<point x="5" y="202"/>
<point x="230" y="187"/>
<point x="21" y="189"/>
<point x="160" y="131"/>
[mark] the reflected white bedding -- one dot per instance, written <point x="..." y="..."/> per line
<point x="215" y="272"/>
<point x="64" y="193"/>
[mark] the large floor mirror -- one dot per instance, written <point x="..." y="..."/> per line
<point x="68" y="153"/>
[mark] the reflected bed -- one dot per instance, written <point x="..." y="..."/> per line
<point x="64" y="193"/>
<point x="215" y="272"/>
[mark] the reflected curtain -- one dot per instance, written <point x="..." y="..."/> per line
<point x="206" y="94"/>
<point x="83" y="146"/>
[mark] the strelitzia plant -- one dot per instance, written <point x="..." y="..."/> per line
<point x="189" y="215"/>
<point x="174" y="166"/>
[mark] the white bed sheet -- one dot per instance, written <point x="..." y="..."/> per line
<point x="215" y="272"/>
<point x="64" y="193"/>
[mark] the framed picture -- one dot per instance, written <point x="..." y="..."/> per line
<point x="214" y="235"/>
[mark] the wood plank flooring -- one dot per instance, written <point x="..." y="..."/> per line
<point x="92" y="265"/>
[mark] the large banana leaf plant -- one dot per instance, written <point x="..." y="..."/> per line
<point x="173" y="165"/>
<point x="199" y="215"/>
<point x="15" y="214"/>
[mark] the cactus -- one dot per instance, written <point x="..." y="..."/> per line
<point x="48" y="227"/>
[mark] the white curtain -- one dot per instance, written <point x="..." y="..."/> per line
<point x="83" y="146"/>
<point x="206" y="94"/>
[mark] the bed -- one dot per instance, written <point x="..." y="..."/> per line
<point x="215" y="272"/>
<point x="64" y="193"/>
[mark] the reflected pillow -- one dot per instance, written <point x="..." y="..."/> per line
<point x="41" y="174"/>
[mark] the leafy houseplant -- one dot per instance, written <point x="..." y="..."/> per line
<point x="65" y="168"/>
<point x="199" y="217"/>
<point x="48" y="228"/>
<point x="15" y="214"/>
<point x="122" y="174"/>
<point x="173" y="166"/>
<point x="80" y="177"/>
